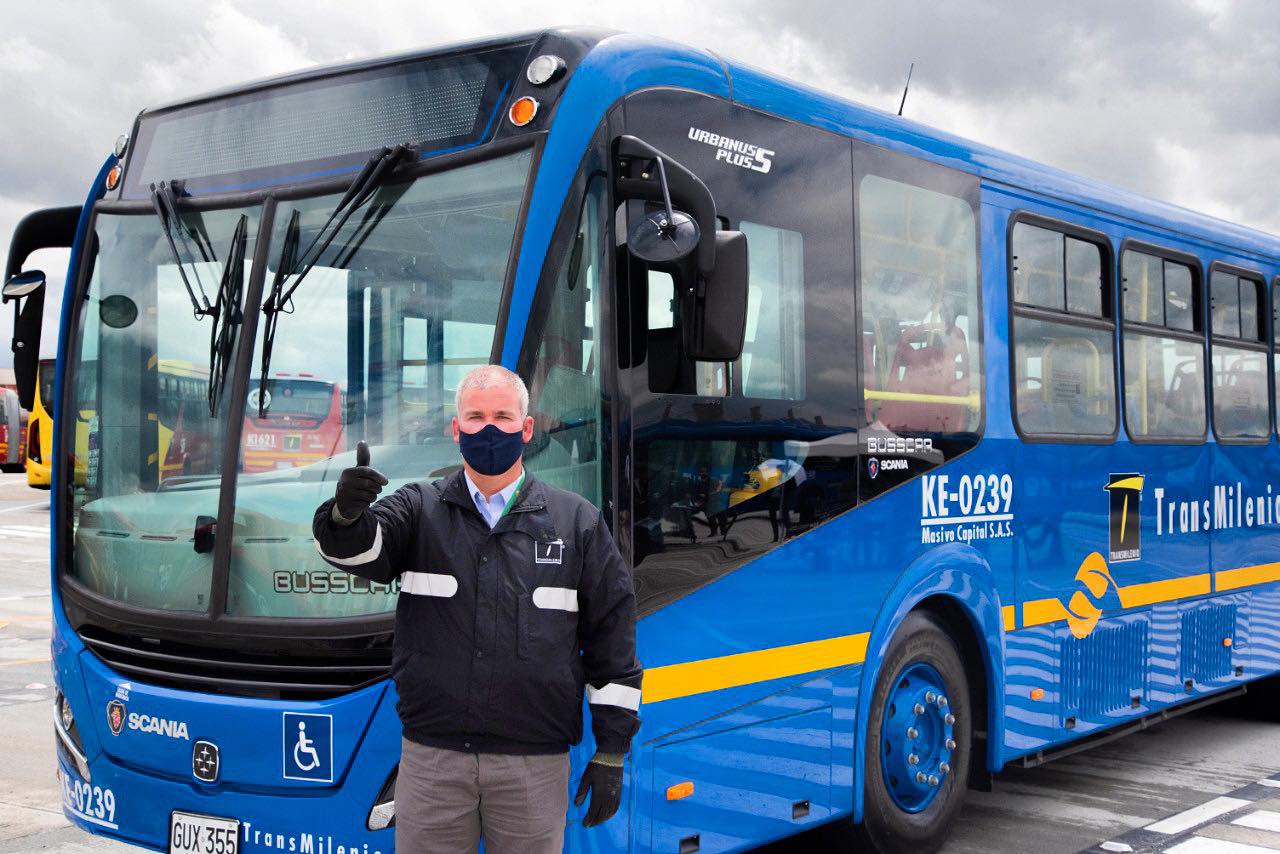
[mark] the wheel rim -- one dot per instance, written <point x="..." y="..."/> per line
<point x="917" y="737"/>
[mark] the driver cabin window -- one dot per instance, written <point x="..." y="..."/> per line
<point x="669" y="371"/>
<point x="772" y="365"/>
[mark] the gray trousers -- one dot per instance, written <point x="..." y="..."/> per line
<point x="447" y="800"/>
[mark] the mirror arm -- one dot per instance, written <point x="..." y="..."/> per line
<point x="674" y="183"/>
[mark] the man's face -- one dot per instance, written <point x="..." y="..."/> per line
<point x="497" y="405"/>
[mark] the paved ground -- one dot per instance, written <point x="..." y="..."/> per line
<point x="1108" y="795"/>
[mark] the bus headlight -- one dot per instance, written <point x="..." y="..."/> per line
<point x="69" y="744"/>
<point x="545" y="69"/>
<point x="383" y="814"/>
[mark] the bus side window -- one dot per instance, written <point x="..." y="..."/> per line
<point x="922" y="371"/>
<point x="1064" y="361"/>
<point x="1241" y="409"/>
<point x="1163" y="349"/>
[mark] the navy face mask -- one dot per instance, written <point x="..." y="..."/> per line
<point x="491" y="450"/>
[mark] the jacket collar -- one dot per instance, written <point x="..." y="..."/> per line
<point x="530" y="498"/>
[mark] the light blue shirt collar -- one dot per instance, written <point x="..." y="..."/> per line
<point x="492" y="507"/>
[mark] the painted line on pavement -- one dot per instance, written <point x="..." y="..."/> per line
<point x="1206" y="845"/>
<point x="1188" y="819"/>
<point x="1260" y="820"/>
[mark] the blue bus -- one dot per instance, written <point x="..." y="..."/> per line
<point x="928" y="459"/>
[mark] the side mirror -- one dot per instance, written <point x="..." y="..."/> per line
<point x="715" y="312"/>
<point x="41" y="229"/>
<point x="29" y="287"/>
<point x="663" y="238"/>
<point x="709" y="266"/>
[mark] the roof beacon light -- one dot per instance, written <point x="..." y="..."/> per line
<point x="545" y="69"/>
<point x="522" y="111"/>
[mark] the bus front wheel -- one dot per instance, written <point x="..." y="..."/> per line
<point x="919" y="741"/>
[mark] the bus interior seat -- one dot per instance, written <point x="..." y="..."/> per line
<point x="941" y="367"/>
<point x="1069" y="386"/>
<point x="1180" y="415"/>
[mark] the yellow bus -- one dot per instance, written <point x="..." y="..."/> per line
<point x="183" y="442"/>
<point x="40" y="428"/>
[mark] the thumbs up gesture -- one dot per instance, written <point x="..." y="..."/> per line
<point x="358" y="486"/>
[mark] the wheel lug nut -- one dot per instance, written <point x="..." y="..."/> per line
<point x="951" y="744"/>
<point x="944" y="768"/>
<point x="919" y="710"/>
<point x="950" y="719"/>
<point x="912" y="732"/>
<point x="933" y="781"/>
<point x="920" y="777"/>
<point x="942" y="702"/>
<point x="930" y="698"/>
<point x="913" y="760"/>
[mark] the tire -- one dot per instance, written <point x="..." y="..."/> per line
<point x="914" y="816"/>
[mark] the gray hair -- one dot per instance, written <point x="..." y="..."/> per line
<point x="489" y="376"/>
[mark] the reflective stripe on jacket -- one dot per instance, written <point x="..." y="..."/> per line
<point x="499" y="632"/>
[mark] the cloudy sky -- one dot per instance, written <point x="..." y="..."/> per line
<point x="1177" y="99"/>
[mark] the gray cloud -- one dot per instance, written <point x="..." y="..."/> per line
<point x="1172" y="98"/>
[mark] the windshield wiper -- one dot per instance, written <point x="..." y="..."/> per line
<point x="227" y="313"/>
<point x="366" y="183"/>
<point x="164" y="200"/>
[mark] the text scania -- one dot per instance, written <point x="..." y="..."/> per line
<point x="965" y="509"/>
<point x="735" y="152"/>
<point x="160" y="726"/>
<point x="1232" y="506"/>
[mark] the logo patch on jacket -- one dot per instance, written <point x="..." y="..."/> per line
<point x="552" y="552"/>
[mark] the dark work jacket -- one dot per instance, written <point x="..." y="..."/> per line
<point x="499" y="632"/>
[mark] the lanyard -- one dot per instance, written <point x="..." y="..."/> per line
<point x="515" y="493"/>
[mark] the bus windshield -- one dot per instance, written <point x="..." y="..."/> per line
<point x="403" y="301"/>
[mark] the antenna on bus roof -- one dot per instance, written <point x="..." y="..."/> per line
<point x="905" y="88"/>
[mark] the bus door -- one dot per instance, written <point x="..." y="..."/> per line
<point x="733" y="461"/>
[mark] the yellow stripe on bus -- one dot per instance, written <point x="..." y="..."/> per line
<point x="1038" y="612"/>
<point x="1247" y="576"/>
<point x="746" y="668"/>
<point x="1137" y="595"/>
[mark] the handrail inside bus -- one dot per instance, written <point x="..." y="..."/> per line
<point x="972" y="400"/>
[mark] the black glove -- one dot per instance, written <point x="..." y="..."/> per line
<point x="358" y="486"/>
<point x="605" y="783"/>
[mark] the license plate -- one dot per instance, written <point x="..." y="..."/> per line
<point x="203" y="834"/>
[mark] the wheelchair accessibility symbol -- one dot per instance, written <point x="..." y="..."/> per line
<point x="308" y="747"/>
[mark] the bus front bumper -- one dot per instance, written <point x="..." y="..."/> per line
<point x="308" y="789"/>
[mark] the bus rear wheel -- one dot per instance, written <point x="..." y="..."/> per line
<point x="919" y="741"/>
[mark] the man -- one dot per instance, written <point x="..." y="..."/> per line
<point x="513" y="599"/>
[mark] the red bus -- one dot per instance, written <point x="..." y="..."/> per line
<point x="302" y="422"/>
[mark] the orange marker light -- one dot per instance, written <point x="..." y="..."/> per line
<point x="1227" y="641"/>
<point x="1037" y="693"/>
<point x="679" y="790"/>
<point x="113" y="177"/>
<point x="522" y="111"/>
